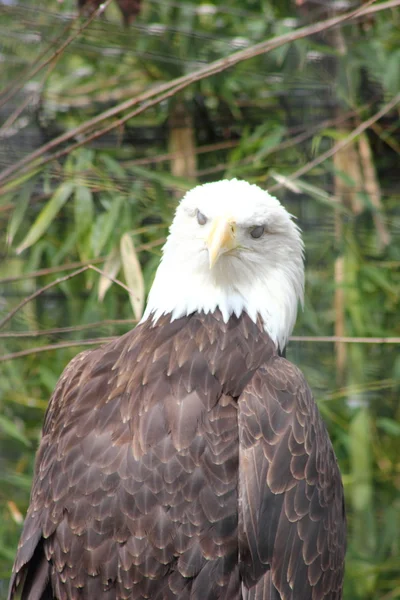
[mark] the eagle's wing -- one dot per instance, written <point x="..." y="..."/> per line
<point x="135" y="487"/>
<point x="292" y="525"/>
<point x="31" y="568"/>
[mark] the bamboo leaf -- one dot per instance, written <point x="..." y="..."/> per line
<point x="113" y="166"/>
<point x="361" y="460"/>
<point x="320" y="195"/>
<point x="377" y="276"/>
<point x="389" y="426"/>
<point x="10" y="429"/>
<point x="111" y="268"/>
<point x="165" y="179"/>
<point x="47" y="215"/>
<point x="83" y="208"/>
<point x="7" y="553"/>
<point x="6" y="198"/>
<point x="270" y="141"/>
<point x="19" y="212"/>
<point x="133" y="274"/>
<point x="105" y="224"/>
<point x="17" y="181"/>
<point x="391" y="75"/>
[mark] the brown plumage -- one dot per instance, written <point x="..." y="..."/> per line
<point x="88" y="6"/>
<point x="129" y="9"/>
<point x="185" y="460"/>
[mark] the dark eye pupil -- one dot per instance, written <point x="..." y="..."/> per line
<point x="202" y="219"/>
<point x="257" y="232"/>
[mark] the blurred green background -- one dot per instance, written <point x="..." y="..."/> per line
<point x="109" y="202"/>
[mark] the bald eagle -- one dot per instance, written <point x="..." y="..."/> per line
<point x="187" y="459"/>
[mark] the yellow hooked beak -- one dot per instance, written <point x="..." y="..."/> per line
<point x="221" y="238"/>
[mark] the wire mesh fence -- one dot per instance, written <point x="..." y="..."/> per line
<point x="314" y="119"/>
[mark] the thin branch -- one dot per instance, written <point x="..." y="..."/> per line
<point x="58" y="346"/>
<point x="172" y="155"/>
<point x="229" y="144"/>
<point x="72" y="329"/>
<point x="341" y="144"/>
<point x="6" y="97"/>
<point x="383" y="6"/>
<point x="114" y="280"/>
<point x="379" y="384"/>
<point x="386" y="139"/>
<point x="37" y="293"/>
<point x="16" y="85"/>
<point x="103" y="340"/>
<point x="15" y="114"/>
<point x="43" y="289"/>
<point x="346" y="340"/>
<point x="288" y="143"/>
<point x="166" y="90"/>
<point x="74" y="265"/>
<point x="52" y="270"/>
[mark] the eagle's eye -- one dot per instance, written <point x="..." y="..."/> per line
<point x="257" y="232"/>
<point x="201" y="219"/>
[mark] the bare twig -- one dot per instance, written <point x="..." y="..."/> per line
<point x="37" y="293"/>
<point x="373" y="189"/>
<point x="17" y="84"/>
<point x="74" y="265"/>
<point x="349" y="390"/>
<point x="288" y="143"/>
<point x="103" y="340"/>
<point x="57" y="52"/>
<point x="382" y="6"/>
<point x="113" y="279"/>
<point x="58" y="346"/>
<point x="166" y="90"/>
<point x="386" y="139"/>
<point x="52" y="270"/>
<point x="15" y="114"/>
<point x="342" y="143"/>
<point x="72" y="329"/>
<point x="43" y="289"/>
<point x="229" y="144"/>
<point x="345" y="340"/>
<point x="172" y="155"/>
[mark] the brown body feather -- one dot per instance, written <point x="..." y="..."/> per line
<point x="188" y="461"/>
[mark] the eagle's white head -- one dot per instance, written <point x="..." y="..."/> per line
<point x="234" y="247"/>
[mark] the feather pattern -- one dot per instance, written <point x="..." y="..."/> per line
<point x="185" y="460"/>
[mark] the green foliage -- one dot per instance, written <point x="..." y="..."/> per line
<point x="110" y="203"/>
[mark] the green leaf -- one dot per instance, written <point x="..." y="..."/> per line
<point x="19" y="211"/>
<point x="7" y="553"/>
<point x="18" y="480"/>
<point x="133" y="274"/>
<point x="270" y="141"/>
<point x="320" y="195"/>
<point x="361" y="460"/>
<point x="6" y="198"/>
<point x="111" y="268"/>
<point x="380" y="278"/>
<point x="391" y="75"/>
<point x="113" y="166"/>
<point x="83" y="209"/>
<point x="389" y="426"/>
<point x="167" y="180"/>
<point x="12" y="430"/>
<point x="47" y="215"/>
<point x="105" y="225"/>
<point x="17" y="182"/>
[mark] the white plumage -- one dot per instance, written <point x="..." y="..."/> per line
<point x="268" y="283"/>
